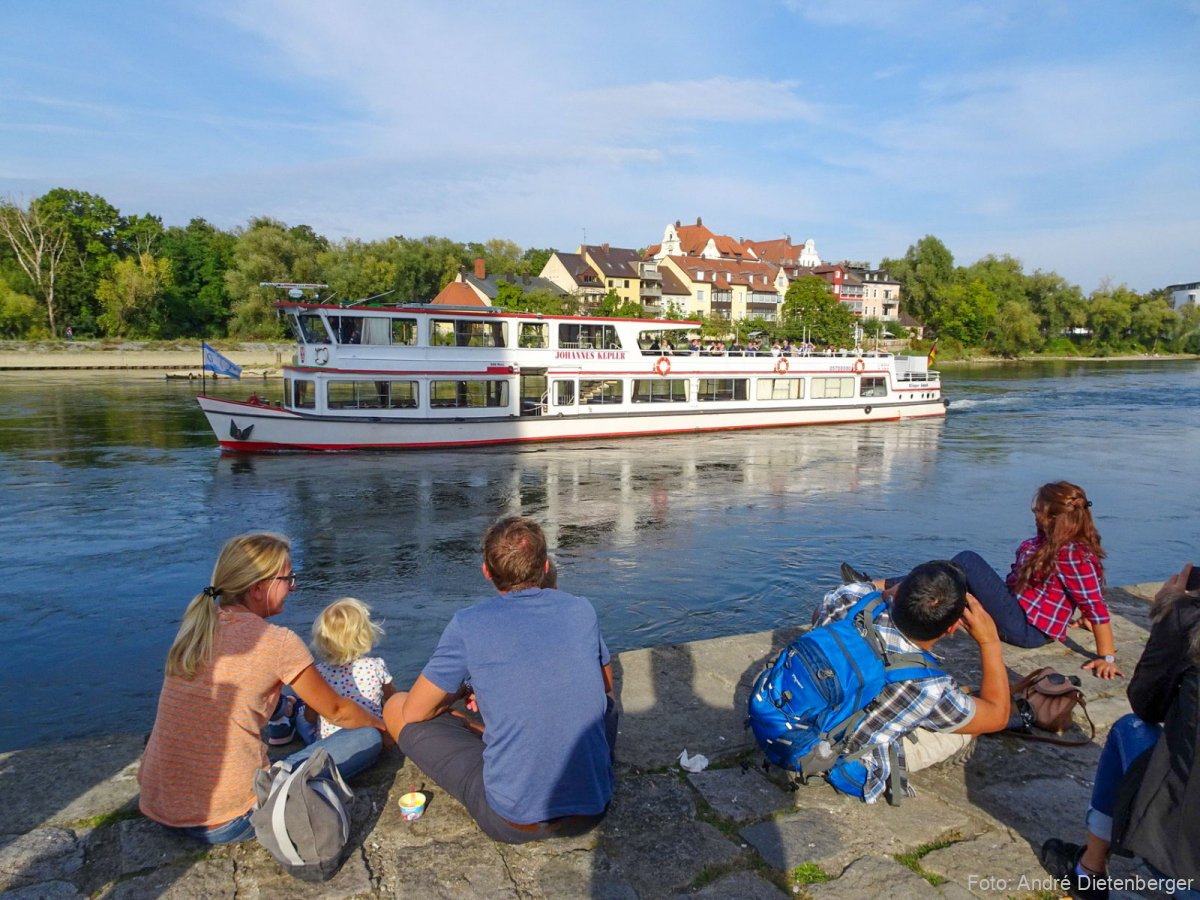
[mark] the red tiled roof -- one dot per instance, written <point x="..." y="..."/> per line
<point x="458" y="294"/>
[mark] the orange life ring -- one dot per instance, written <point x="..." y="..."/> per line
<point x="781" y="367"/>
<point x="859" y="365"/>
<point x="663" y="366"/>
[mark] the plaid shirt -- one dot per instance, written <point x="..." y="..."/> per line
<point x="935" y="703"/>
<point x="1076" y="584"/>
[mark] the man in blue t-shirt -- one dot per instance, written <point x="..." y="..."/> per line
<point x="532" y="662"/>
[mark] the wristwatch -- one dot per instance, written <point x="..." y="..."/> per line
<point x="1108" y="659"/>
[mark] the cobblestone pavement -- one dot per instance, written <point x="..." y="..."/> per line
<point x="69" y="825"/>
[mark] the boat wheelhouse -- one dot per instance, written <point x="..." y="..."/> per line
<point x="409" y="377"/>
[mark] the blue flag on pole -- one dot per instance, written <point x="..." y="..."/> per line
<point x="218" y="364"/>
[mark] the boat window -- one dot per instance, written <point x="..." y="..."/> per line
<point x="606" y="391"/>
<point x="722" y="389"/>
<point x="313" y="330"/>
<point x="371" y="394"/>
<point x="832" y="388"/>
<point x="781" y="389"/>
<point x="468" y="394"/>
<point x="588" y="336"/>
<point x="404" y="331"/>
<point x="534" y="335"/>
<point x="660" y="390"/>
<point x="347" y="329"/>
<point x="872" y="387"/>
<point x="467" y="333"/>
<point x="302" y="393"/>
<point x="564" y="393"/>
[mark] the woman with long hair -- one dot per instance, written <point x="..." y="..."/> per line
<point x="1146" y="793"/>
<point x="1057" y="573"/>
<point x="223" y="677"/>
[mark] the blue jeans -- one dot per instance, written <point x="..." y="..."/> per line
<point x="353" y="750"/>
<point x="993" y="594"/>
<point x="1128" y="739"/>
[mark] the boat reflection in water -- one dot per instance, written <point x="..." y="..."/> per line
<point x="672" y="538"/>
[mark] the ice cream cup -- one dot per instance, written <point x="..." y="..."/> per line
<point x="412" y="805"/>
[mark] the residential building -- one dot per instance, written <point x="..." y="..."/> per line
<point x="1183" y="294"/>
<point x="574" y="275"/>
<point x="726" y="288"/>
<point x="458" y="293"/>
<point x="698" y="240"/>
<point x="595" y="269"/>
<point x="794" y="259"/>
<point x="485" y="286"/>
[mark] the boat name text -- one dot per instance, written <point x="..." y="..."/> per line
<point x="590" y="354"/>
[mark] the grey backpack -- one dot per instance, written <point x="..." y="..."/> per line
<point x="302" y="816"/>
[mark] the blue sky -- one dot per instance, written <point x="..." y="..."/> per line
<point x="1064" y="134"/>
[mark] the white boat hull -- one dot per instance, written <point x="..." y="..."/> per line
<point x="272" y="428"/>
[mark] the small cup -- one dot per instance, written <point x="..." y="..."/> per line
<point x="412" y="805"/>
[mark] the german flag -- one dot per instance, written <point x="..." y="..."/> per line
<point x="929" y="361"/>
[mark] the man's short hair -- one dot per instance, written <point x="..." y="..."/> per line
<point x="930" y="600"/>
<point x="514" y="551"/>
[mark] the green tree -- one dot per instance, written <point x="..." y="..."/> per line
<point x="964" y="312"/>
<point x="809" y="304"/>
<point x="424" y="266"/>
<point x="39" y="245"/>
<point x="1153" y="321"/>
<point x="355" y="270"/>
<point x="1058" y="305"/>
<point x="1109" y="316"/>
<point x="1017" y="330"/>
<point x="94" y="231"/>
<point x="534" y="259"/>
<point x="129" y="295"/>
<point x="20" y="315"/>
<point x="926" y="269"/>
<point x="674" y="310"/>
<point x="872" y="329"/>
<point x="268" y="251"/>
<point x="196" y="303"/>
<point x="613" y="306"/>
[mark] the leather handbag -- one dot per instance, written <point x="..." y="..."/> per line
<point x="1046" y="699"/>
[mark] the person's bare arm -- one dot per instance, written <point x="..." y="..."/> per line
<point x="993" y="701"/>
<point x="332" y="706"/>
<point x="607" y="673"/>
<point x="424" y="701"/>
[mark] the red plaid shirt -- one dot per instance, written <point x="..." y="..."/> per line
<point x="1076" y="584"/>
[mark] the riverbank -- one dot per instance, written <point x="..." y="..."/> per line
<point x="72" y="828"/>
<point x="178" y="357"/>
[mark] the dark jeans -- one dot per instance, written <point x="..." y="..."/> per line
<point x="993" y="594"/>
<point x="451" y="754"/>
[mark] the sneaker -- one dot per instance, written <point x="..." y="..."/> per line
<point x="282" y="729"/>
<point x="1059" y="859"/>
<point x="960" y="756"/>
<point x="850" y="575"/>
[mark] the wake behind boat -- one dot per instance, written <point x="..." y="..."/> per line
<point x="411" y="377"/>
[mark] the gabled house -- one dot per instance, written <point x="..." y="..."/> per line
<point x="726" y="288"/>
<point x="485" y="287"/>
<point x="595" y="269"/>
<point x="698" y="240"/>
<point x="574" y="275"/>
<point x="794" y="259"/>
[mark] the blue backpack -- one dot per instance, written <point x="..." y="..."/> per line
<point x="809" y="701"/>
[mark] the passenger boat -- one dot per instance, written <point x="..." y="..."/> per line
<point x="409" y="377"/>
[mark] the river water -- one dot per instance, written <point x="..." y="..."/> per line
<point x="116" y="502"/>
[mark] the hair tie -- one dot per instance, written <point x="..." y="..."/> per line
<point x="213" y="592"/>
<point x="1087" y="503"/>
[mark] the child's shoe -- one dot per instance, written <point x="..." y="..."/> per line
<point x="281" y="729"/>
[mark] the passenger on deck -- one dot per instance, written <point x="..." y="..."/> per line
<point x="541" y="679"/>
<point x="224" y="673"/>
<point x="1146" y="793"/>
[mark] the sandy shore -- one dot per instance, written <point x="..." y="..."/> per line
<point x="256" y="358"/>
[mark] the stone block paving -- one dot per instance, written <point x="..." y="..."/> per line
<point x="69" y="825"/>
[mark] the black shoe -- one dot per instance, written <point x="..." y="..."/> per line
<point x="850" y="575"/>
<point x="1059" y="858"/>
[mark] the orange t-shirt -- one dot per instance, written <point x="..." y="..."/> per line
<point x="199" y="764"/>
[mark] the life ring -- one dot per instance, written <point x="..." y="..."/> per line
<point x="781" y="367"/>
<point x="321" y="356"/>
<point x="867" y="410"/>
<point x="859" y="365"/>
<point x="663" y="366"/>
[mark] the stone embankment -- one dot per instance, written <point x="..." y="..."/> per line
<point x="70" y="827"/>
<point x="256" y="359"/>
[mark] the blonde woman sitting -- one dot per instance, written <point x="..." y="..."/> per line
<point x="223" y="678"/>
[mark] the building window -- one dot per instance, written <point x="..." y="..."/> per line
<point x="660" y="390"/>
<point x="700" y="295"/>
<point x="781" y="389"/>
<point x="382" y="394"/>
<point x="468" y="394"/>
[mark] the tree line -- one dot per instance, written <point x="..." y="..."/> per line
<point x="71" y="259"/>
